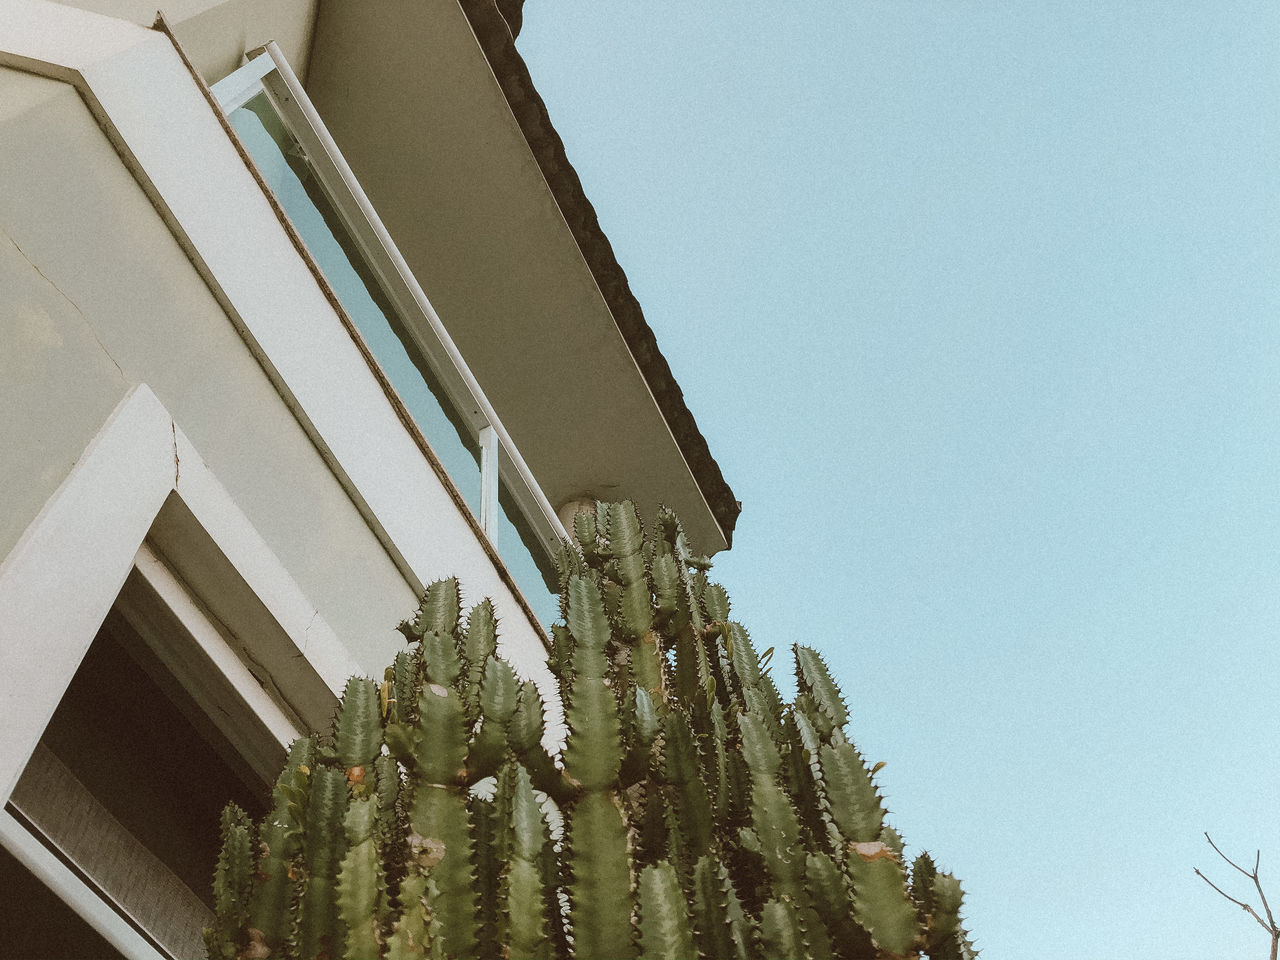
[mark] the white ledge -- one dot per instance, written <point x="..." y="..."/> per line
<point x="60" y="581"/>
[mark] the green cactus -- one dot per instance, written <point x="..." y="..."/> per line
<point x="279" y="838"/>
<point x="523" y="928"/>
<point x="232" y="881"/>
<point x="665" y="930"/>
<point x="719" y="922"/>
<point x="320" y="926"/>
<point x="361" y="893"/>
<point x="691" y="812"/>
<point x="780" y="931"/>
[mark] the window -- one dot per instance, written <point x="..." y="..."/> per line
<point x="129" y="777"/>
<point x="317" y="191"/>
<point x="209" y="636"/>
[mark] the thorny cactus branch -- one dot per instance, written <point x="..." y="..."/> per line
<point x="690" y="812"/>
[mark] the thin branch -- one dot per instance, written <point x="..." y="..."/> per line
<point x="1265" y="906"/>
<point x="1239" y="903"/>
<point x="1251" y="876"/>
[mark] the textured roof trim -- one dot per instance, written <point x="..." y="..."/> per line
<point x="497" y="40"/>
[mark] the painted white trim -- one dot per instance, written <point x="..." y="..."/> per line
<point x="208" y="639"/>
<point x="68" y="570"/>
<point x="239" y="87"/>
<point x="73" y="891"/>
<point x="59" y="582"/>
<point x="489" y="444"/>
<point x="241" y="544"/>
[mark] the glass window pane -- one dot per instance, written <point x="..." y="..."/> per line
<point x="289" y="175"/>
<point x="526" y="558"/>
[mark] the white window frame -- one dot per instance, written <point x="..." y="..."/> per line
<point x="73" y="891"/>
<point x="268" y="71"/>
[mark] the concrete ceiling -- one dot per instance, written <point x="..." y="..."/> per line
<point x="413" y="103"/>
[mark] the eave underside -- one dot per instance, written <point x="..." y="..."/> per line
<point x="497" y="39"/>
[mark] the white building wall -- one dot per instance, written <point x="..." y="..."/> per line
<point x="178" y="398"/>
<point x="104" y="298"/>
<point x="103" y="291"/>
<point x="216" y="33"/>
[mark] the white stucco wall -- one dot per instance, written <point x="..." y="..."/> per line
<point x="99" y="291"/>
<point x="100" y="296"/>
<point x="216" y="33"/>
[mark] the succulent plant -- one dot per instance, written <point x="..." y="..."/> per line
<point x="690" y="812"/>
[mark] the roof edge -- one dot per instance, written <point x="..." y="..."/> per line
<point x="497" y="41"/>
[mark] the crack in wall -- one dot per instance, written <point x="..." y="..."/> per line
<point x="268" y="683"/>
<point x="92" y="330"/>
<point x="177" y="462"/>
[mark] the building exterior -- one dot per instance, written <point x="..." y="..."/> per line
<point x="301" y="308"/>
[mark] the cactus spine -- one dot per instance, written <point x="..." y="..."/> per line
<point x="694" y="813"/>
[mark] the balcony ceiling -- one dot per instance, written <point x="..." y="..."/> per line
<point x="472" y="184"/>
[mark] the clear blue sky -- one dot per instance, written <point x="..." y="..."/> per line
<point x="977" y="305"/>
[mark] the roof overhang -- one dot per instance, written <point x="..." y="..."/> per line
<point x="435" y="112"/>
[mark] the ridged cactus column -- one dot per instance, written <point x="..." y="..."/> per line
<point x="690" y="811"/>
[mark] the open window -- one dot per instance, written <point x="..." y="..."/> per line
<point x="155" y="659"/>
<point x="160" y="725"/>
<point x="308" y="177"/>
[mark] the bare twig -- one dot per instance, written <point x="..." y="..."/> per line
<point x="1230" y="861"/>
<point x="1265" y="906"/>
<point x="1269" y="924"/>
<point x="1239" y="903"/>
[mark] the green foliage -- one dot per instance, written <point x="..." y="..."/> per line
<point x="689" y="812"/>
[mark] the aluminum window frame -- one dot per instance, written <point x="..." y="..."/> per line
<point x="267" y="71"/>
